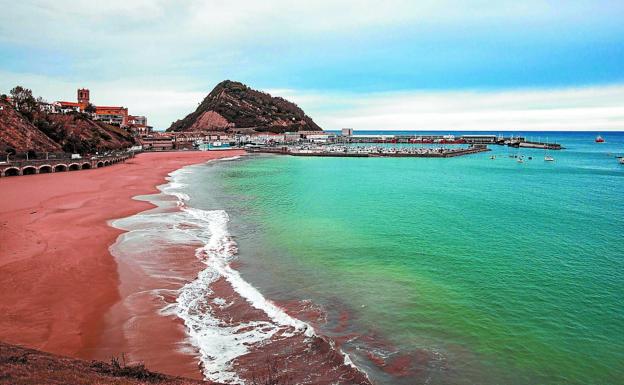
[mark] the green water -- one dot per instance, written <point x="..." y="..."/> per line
<point x="507" y="273"/>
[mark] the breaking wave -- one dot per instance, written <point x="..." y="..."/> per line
<point x="219" y="341"/>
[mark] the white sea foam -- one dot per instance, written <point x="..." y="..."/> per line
<point x="219" y="342"/>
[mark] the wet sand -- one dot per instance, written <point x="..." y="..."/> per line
<point x="59" y="279"/>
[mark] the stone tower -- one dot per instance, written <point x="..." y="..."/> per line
<point x="83" y="96"/>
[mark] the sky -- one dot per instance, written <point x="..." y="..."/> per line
<point x="370" y="65"/>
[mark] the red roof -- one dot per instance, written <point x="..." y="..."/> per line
<point x="70" y="104"/>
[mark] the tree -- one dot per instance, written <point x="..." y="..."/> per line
<point x="90" y="108"/>
<point x="23" y="99"/>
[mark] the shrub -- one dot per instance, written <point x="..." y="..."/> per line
<point x="119" y="368"/>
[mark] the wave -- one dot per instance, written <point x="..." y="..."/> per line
<point x="219" y="340"/>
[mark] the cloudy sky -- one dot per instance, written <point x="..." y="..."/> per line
<point x="392" y="64"/>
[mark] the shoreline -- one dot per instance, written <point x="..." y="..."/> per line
<point x="179" y="262"/>
<point x="54" y="249"/>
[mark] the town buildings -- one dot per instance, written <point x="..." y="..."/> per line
<point x="115" y="115"/>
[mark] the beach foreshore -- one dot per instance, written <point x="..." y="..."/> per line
<point x="59" y="279"/>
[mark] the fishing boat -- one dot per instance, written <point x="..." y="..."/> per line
<point x="599" y="139"/>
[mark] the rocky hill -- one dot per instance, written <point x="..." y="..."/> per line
<point x="234" y="107"/>
<point x="45" y="132"/>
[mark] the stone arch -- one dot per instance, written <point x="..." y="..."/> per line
<point x="60" y="168"/>
<point x="12" y="171"/>
<point x="99" y="164"/>
<point x="45" y="169"/>
<point x="29" y="170"/>
<point x="106" y="163"/>
<point x="86" y="166"/>
<point x="74" y="167"/>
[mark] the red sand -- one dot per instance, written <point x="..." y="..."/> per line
<point x="58" y="278"/>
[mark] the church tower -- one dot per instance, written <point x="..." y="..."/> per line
<point x="83" y="96"/>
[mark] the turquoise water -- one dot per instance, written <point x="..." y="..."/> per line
<point x="504" y="273"/>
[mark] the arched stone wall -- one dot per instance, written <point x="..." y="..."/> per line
<point x="12" y="171"/>
<point x="29" y="170"/>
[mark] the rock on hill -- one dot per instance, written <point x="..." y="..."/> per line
<point x="44" y="132"/>
<point x="17" y="133"/>
<point x="234" y="107"/>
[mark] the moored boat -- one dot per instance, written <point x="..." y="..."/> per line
<point x="599" y="139"/>
<point x="548" y="157"/>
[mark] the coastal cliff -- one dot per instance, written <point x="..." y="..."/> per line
<point x="234" y="107"/>
<point x="39" y="131"/>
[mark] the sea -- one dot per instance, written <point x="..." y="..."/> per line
<point x="470" y="270"/>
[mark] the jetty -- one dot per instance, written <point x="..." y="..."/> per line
<point x="339" y="151"/>
<point x="485" y="139"/>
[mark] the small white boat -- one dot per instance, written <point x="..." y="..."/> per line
<point x="217" y="144"/>
<point x="547" y="157"/>
<point x="520" y="160"/>
<point x="622" y="160"/>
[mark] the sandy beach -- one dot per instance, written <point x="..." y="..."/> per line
<point x="59" y="279"/>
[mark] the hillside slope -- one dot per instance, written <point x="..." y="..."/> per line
<point x="77" y="133"/>
<point x="234" y="107"/>
<point x="45" y="132"/>
<point x="21" y="366"/>
<point x="17" y="133"/>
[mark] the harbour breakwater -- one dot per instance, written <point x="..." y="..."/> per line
<point x="370" y="152"/>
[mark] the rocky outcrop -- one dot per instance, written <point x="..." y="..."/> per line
<point x="234" y="107"/>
